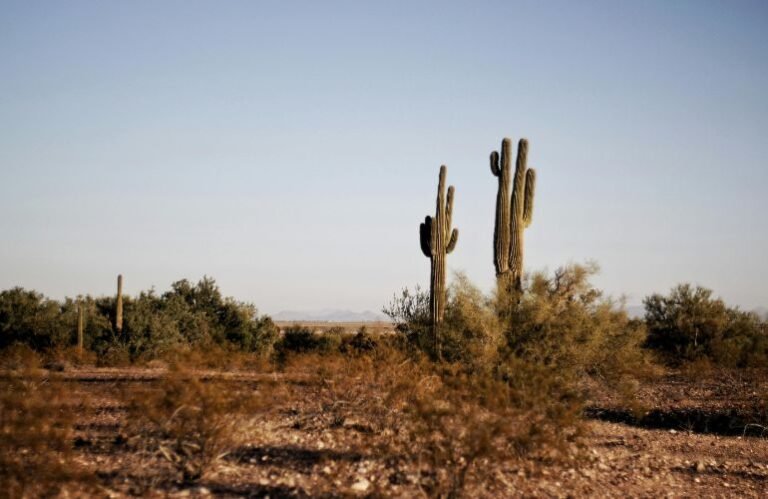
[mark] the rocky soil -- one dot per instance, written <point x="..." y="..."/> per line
<point x="294" y="453"/>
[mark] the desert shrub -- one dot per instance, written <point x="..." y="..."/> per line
<point x="468" y="333"/>
<point x="189" y="315"/>
<point x="562" y="321"/>
<point x="409" y="313"/>
<point x="30" y="318"/>
<point x="19" y="357"/>
<point x="444" y="419"/>
<point x="189" y="422"/>
<point x="298" y="339"/>
<point x="360" y="342"/>
<point x="207" y="315"/>
<point x="36" y="427"/>
<point x="148" y="330"/>
<point x="114" y="355"/>
<point x="691" y="324"/>
<point x="559" y="321"/>
<point x="450" y="421"/>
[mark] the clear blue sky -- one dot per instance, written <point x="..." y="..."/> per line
<point x="290" y="149"/>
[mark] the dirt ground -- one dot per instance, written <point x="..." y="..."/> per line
<point x="682" y="448"/>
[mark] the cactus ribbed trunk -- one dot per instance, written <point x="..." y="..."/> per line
<point x="513" y="215"/>
<point x="438" y="239"/>
<point x="119" y="305"/>
<point x="500" y="167"/>
<point x="80" y="328"/>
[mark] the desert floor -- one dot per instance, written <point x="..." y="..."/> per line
<point x="691" y="443"/>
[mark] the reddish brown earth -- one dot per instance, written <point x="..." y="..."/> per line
<point x="295" y="452"/>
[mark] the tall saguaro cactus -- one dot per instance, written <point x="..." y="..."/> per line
<point x="438" y="239"/>
<point x="119" y="305"/>
<point x="80" y="327"/>
<point x="512" y="216"/>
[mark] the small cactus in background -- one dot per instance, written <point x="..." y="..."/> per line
<point x="119" y="306"/>
<point x="437" y="240"/>
<point x="512" y="216"/>
<point x="80" y="327"/>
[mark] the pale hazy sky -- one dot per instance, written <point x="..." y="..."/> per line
<point x="290" y="149"/>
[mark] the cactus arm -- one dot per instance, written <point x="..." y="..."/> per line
<point x="521" y="165"/>
<point x="495" y="169"/>
<point x="506" y="157"/>
<point x="518" y="213"/>
<point x="425" y="236"/>
<point x="449" y="209"/>
<point x="530" y="188"/>
<point x="453" y="240"/>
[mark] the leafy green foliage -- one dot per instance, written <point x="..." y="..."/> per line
<point x="30" y="318"/>
<point x="189" y="315"/>
<point x="691" y="324"/>
<point x="298" y="339"/>
<point x="560" y="322"/>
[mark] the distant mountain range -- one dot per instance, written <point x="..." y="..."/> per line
<point x="329" y="315"/>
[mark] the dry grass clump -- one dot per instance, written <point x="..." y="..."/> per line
<point x="189" y="422"/>
<point x="519" y="366"/>
<point x="19" y="358"/>
<point x="454" y="423"/>
<point x="215" y="356"/>
<point x="446" y="421"/>
<point x="36" y="434"/>
<point x="564" y="322"/>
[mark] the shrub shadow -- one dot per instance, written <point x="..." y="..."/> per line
<point x="730" y="422"/>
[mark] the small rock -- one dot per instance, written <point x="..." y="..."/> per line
<point x="673" y="431"/>
<point x="361" y="485"/>
<point x="700" y="467"/>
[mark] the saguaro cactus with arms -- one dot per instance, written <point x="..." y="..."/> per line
<point x="438" y="239"/>
<point x="512" y="216"/>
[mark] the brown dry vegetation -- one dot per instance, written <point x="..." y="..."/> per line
<point x="381" y="423"/>
<point x="545" y="393"/>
